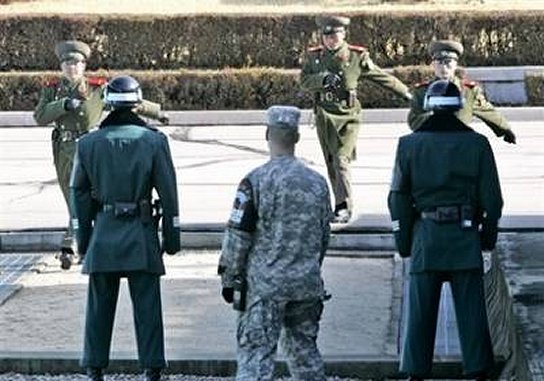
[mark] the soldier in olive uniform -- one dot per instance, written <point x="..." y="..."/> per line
<point x="270" y="264"/>
<point x="445" y="203"/>
<point x="116" y="168"/>
<point x="445" y="55"/>
<point x="331" y="72"/>
<point x="74" y="104"/>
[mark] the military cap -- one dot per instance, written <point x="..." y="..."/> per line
<point x="445" y="49"/>
<point x="283" y="117"/>
<point x="332" y="24"/>
<point x="72" y="50"/>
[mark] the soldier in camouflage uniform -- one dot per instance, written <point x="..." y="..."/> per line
<point x="445" y="55"/>
<point x="445" y="203"/>
<point x="116" y="169"/>
<point x="74" y="104"/>
<point x="331" y="72"/>
<point x="271" y="257"/>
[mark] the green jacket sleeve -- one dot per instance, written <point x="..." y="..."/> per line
<point x="48" y="109"/>
<point x="375" y="74"/>
<point x="484" y="110"/>
<point x="83" y="207"/>
<point x="311" y="75"/>
<point x="400" y="204"/>
<point x="417" y="116"/>
<point x="164" y="181"/>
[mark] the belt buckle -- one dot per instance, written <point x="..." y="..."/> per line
<point x="447" y="214"/>
<point x="329" y="96"/>
<point x="67" y="135"/>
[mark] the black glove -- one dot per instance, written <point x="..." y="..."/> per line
<point x="488" y="235"/>
<point x="332" y="81"/>
<point x="164" y="119"/>
<point x="509" y="137"/>
<point x="71" y="104"/>
<point x="228" y="294"/>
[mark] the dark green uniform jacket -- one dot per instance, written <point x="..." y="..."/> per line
<point x="120" y="164"/>
<point x="444" y="163"/>
<point x="475" y="105"/>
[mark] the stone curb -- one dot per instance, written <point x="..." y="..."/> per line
<point x="256" y="117"/>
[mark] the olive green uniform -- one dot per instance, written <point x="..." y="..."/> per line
<point x="337" y="111"/>
<point x="444" y="182"/>
<point x="70" y="125"/>
<point x="476" y="105"/>
<point x="115" y="171"/>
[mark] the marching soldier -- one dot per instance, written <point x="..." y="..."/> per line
<point x="331" y="72"/>
<point x="75" y="104"/>
<point x="116" y="169"/>
<point x="445" y="55"/>
<point x="445" y="203"/>
<point x="271" y="257"/>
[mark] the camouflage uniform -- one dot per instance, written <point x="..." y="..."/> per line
<point x="476" y="104"/>
<point x="72" y="124"/>
<point x="337" y="107"/>
<point x="276" y="239"/>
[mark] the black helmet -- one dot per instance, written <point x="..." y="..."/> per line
<point x="123" y="91"/>
<point x="443" y="95"/>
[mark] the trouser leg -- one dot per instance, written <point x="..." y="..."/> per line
<point x="423" y="303"/>
<point x="301" y="326"/>
<point x="259" y="329"/>
<point x="470" y="310"/>
<point x="63" y="157"/>
<point x="145" y="294"/>
<point x="102" y="297"/>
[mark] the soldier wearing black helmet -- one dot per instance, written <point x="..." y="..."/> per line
<point x="445" y="55"/>
<point x="116" y="169"/>
<point x="445" y="203"/>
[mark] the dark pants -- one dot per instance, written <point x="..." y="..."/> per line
<point x="102" y="298"/>
<point x="470" y="311"/>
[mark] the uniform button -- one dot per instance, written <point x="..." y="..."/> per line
<point x="81" y="113"/>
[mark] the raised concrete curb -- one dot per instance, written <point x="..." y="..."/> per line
<point x="374" y="367"/>
<point x="256" y="117"/>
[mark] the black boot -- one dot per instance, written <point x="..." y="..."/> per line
<point x="152" y="374"/>
<point x="95" y="374"/>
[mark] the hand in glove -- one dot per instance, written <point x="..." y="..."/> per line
<point x="228" y="294"/>
<point x="164" y="119"/>
<point x="71" y="104"/>
<point x="509" y="137"/>
<point x="332" y="81"/>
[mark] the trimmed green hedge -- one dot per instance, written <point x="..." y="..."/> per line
<point x="534" y="85"/>
<point x="210" y="90"/>
<point x="220" y="41"/>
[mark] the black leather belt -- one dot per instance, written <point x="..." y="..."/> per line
<point x="462" y="214"/>
<point x="66" y="135"/>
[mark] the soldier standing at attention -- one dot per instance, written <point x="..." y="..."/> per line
<point x="331" y="72"/>
<point x="445" y="55"/>
<point x="116" y="168"/>
<point x="271" y="257"/>
<point x="75" y="104"/>
<point x="445" y="203"/>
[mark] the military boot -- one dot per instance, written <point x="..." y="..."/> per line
<point x="152" y="374"/>
<point x="66" y="257"/>
<point x="95" y="374"/>
<point x="342" y="214"/>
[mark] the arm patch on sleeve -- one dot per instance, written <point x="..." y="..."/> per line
<point x="243" y="215"/>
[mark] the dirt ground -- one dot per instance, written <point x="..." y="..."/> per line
<point x="166" y="7"/>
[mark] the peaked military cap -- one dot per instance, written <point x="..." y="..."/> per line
<point x="445" y="49"/>
<point x="284" y="117"/>
<point x="332" y="24"/>
<point x="72" y="50"/>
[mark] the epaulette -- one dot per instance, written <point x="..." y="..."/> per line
<point x="422" y="84"/>
<point x="469" y="84"/>
<point x="97" y="81"/>
<point x="357" y="48"/>
<point x="54" y="82"/>
<point x="314" y="49"/>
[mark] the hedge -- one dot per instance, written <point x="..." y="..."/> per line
<point x="209" y="90"/>
<point x="220" y="41"/>
<point x="534" y="85"/>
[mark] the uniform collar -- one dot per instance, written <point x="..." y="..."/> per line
<point x="122" y="117"/>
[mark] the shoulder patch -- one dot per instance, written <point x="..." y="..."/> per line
<point x="314" y="49"/>
<point x="357" y="48"/>
<point x="469" y="84"/>
<point x="97" y="81"/>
